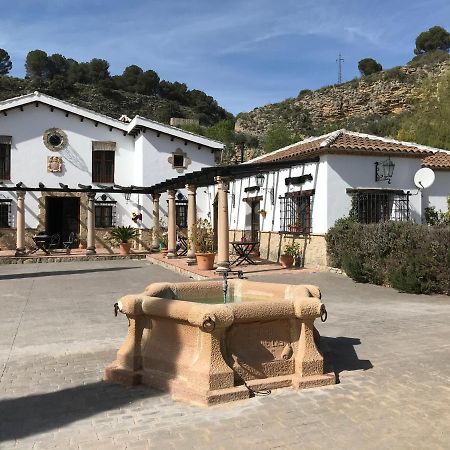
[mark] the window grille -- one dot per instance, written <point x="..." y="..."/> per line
<point x="5" y="213"/>
<point x="381" y="206"/>
<point x="181" y="213"/>
<point x="295" y="214"/>
<point x="103" y="166"/>
<point x="105" y="214"/>
<point x="5" y="161"/>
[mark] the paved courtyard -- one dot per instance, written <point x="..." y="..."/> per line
<point x="390" y="351"/>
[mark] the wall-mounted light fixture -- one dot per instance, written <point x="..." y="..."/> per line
<point x="260" y="180"/>
<point x="127" y="196"/>
<point x="384" y="170"/>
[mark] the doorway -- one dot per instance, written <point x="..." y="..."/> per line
<point x="254" y="219"/>
<point x="62" y="216"/>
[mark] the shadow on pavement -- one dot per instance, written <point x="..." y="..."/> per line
<point x="26" y="416"/>
<point x="339" y="354"/>
<point x="13" y="276"/>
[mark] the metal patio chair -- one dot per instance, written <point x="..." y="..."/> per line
<point x="54" y="242"/>
<point x="70" y="241"/>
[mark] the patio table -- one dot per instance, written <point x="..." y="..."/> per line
<point x="243" y="250"/>
<point x="42" y="242"/>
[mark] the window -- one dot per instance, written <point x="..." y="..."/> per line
<point x="178" y="160"/>
<point x="5" y="157"/>
<point x="295" y="214"/>
<point x="5" y="213"/>
<point x="181" y="213"/>
<point x="103" y="154"/>
<point x="373" y="206"/>
<point x="105" y="214"/>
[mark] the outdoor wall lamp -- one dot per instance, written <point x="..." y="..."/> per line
<point x="260" y="180"/>
<point x="384" y="170"/>
<point x="127" y="196"/>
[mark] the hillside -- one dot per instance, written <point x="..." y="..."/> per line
<point x="384" y="103"/>
<point x="109" y="101"/>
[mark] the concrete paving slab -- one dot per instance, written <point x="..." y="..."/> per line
<point x="391" y="352"/>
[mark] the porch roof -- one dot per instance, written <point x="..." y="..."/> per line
<point x="206" y="176"/>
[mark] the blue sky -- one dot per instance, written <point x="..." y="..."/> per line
<point x="245" y="53"/>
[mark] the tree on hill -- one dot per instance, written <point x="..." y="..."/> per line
<point x="98" y="70"/>
<point x="5" y="62"/>
<point x="279" y="136"/>
<point x="38" y="65"/>
<point x="368" y="66"/>
<point x="129" y="78"/>
<point x="436" y="38"/>
<point x="148" y="83"/>
<point x="59" y="65"/>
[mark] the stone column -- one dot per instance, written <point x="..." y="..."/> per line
<point x="172" y="226"/>
<point x="156" y="228"/>
<point x="90" y="250"/>
<point x="191" y="219"/>
<point x="20" y="224"/>
<point x="223" y="238"/>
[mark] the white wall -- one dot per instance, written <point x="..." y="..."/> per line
<point x="29" y="154"/>
<point x="140" y="161"/>
<point x="331" y="178"/>
<point x="357" y="171"/>
<point x="436" y="195"/>
<point x="240" y="210"/>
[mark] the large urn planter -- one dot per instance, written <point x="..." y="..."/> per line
<point x="205" y="261"/>
<point x="286" y="261"/>
<point x="124" y="248"/>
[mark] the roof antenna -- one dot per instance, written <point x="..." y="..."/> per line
<point x="340" y="60"/>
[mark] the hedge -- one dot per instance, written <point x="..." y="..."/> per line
<point x="409" y="257"/>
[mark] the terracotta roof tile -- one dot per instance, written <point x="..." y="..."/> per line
<point x="345" y="142"/>
<point x="438" y="161"/>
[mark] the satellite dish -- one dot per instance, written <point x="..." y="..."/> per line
<point x="424" y="178"/>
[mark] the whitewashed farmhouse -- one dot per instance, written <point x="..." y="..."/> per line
<point x="60" y="162"/>
<point x="298" y="192"/>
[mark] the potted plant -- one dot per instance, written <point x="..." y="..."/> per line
<point x="202" y="238"/>
<point x="291" y="251"/>
<point x="122" y="236"/>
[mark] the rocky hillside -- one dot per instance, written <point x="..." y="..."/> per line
<point x="357" y="104"/>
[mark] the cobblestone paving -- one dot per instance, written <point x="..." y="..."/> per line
<point x="57" y="334"/>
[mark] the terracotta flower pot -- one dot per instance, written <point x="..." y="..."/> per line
<point x="205" y="261"/>
<point x="287" y="261"/>
<point x="124" y="248"/>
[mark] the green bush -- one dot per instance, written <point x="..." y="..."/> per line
<point x="409" y="257"/>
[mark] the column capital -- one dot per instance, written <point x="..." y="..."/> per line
<point x="171" y="193"/>
<point x="91" y="195"/>
<point x="21" y="194"/>
<point x="156" y="197"/>
<point x="222" y="182"/>
<point x="191" y="188"/>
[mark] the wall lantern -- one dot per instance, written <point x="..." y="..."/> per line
<point x="127" y="196"/>
<point x="260" y="180"/>
<point x="384" y="170"/>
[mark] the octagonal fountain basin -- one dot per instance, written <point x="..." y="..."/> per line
<point x="182" y="338"/>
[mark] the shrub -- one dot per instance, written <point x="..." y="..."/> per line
<point x="429" y="58"/>
<point x="409" y="257"/>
